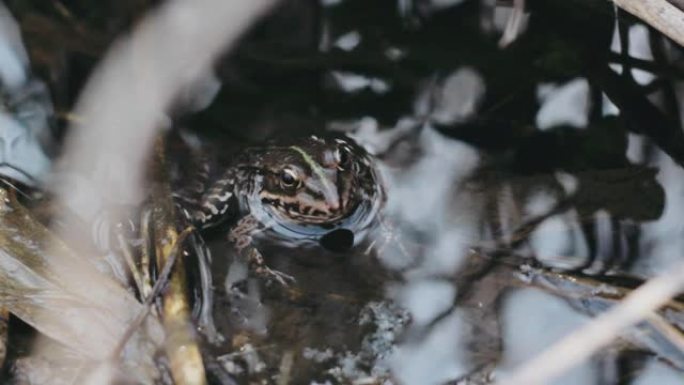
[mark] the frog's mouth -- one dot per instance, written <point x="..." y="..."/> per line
<point x="292" y="226"/>
<point x="314" y="213"/>
<point x="291" y="213"/>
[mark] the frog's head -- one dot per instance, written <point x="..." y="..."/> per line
<point x="317" y="180"/>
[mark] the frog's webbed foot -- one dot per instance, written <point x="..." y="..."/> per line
<point x="285" y="280"/>
<point x="259" y="267"/>
<point x="240" y="236"/>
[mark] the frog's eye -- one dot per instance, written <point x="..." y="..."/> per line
<point x="288" y="178"/>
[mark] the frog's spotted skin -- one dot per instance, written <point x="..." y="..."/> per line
<point x="300" y="189"/>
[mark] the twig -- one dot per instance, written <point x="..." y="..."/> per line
<point x="159" y="285"/>
<point x="4" y="326"/>
<point x="182" y="348"/>
<point x="128" y="258"/>
<point x="671" y="333"/>
<point x="285" y="370"/>
<point x="581" y="344"/>
<point x="514" y="24"/>
<point x="146" y="252"/>
<point x="63" y="11"/>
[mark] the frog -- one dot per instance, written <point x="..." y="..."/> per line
<point x="292" y="192"/>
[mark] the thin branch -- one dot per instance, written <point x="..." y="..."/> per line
<point x="4" y="334"/>
<point x="127" y="254"/>
<point x="159" y="285"/>
<point x="667" y="330"/>
<point x="514" y="25"/>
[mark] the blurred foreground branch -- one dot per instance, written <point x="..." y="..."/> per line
<point x="580" y="345"/>
<point x="121" y="110"/>
<point x="124" y="103"/>
<point x="660" y="14"/>
<point x="48" y="286"/>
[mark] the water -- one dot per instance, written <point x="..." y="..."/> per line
<point x="529" y="189"/>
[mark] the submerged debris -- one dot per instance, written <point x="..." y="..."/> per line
<point x="386" y="323"/>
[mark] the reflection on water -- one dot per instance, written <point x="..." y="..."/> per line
<point x="446" y="290"/>
<point x="533" y="320"/>
<point x="421" y="303"/>
<point x="529" y="189"/>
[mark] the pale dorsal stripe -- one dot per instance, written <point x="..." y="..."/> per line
<point x="315" y="167"/>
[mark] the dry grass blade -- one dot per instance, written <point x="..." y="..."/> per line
<point x="182" y="350"/>
<point x="4" y="328"/>
<point x="46" y="285"/>
<point x="159" y="285"/>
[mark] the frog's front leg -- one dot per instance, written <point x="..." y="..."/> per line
<point x="241" y="237"/>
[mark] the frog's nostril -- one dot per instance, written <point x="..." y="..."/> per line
<point x="334" y="206"/>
